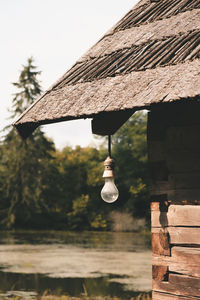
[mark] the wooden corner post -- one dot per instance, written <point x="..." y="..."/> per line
<point x="174" y="159"/>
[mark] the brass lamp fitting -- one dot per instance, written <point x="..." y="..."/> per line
<point x="109" y="168"/>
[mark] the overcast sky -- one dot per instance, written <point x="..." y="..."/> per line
<point x="56" y="33"/>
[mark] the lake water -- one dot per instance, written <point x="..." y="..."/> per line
<point x="91" y="263"/>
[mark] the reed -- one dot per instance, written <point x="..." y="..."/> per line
<point x="45" y="296"/>
<point x="51" y="297"/>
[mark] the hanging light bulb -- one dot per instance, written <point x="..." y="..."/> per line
<point x="109" y="192"/>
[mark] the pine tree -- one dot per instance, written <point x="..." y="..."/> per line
<point x="28" y="88"/>
<point x="26" y="189"/>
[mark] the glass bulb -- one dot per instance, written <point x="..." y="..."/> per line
<point x="109" y="192"/>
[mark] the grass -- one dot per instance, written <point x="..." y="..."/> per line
<point x="139" y="297"/>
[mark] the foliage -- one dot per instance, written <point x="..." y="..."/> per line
<point x="78" y="218"/>
<point x="41" y="187"/>
<point x="26" y="188"/>
<point x="28" y="88"/>
<point x="98" y="223"/>
<point x="130" y="153"/>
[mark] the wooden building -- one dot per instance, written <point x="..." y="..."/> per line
<point x="149" y="60"/>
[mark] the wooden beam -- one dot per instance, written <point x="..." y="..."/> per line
<point x="179" y="235"/>
<point x="108" y="123"/>
<point x="156" y="151"/>
<point x="184" y="235"/>
<point x="183" y="260"/>
<point x="184" y="196"/>
<point x="177" y="215"/>
<point x="191" y="255"/>
<point x="159" y="273"/>
<point x="161" y="296"/>
<point x="185" y="180"/>
<point x="158" y="171"/>
<point x="188" y="283"/>
<point x="161" y="187"/>
<point x="160" y="243"/>
<point x="187" y="261"/>
<point x="179" y="285"/>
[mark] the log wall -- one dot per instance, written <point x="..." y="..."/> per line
<point x="174" y="158"/>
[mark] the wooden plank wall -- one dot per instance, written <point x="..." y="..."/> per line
<point x="174" y="158"/>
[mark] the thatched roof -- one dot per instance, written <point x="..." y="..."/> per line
<point x="150" y="56"/>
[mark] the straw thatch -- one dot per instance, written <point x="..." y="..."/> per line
<point x="150" y="56"/>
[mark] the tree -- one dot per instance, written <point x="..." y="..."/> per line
<point x="80" y="183"/>
<point x="43" y="187"/>
<point x="130" y="153"/>
<point x="28" y="88"/>
<point x="26" y="189"/>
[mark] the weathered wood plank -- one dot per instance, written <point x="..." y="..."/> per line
<point x="158" y="260"/>
<point x="161" y="206"/>
<point x="186" y="282"/>
<point x="159" y="219"/>
<point x="183" y="163"/>
<point x="180" y="235"/>
<point x="184" y="196"/>
<point x="185" y="253"/>
<point x="159" y="198"/>
<point x="159" y="272"/>
<point x="173" y="114"/>
<point x="184" y="235"/>
<point x="187" y="261"/>
<point x="161" y="296"/>
<point x="179" y="285"/>
<point x="156" y="151"/>
<point x="160" y="243"/>
<point x="177" y="215"/>
<point x="184" y="180"/>
<point x="158" y="170"/>
<point x="155" y="206"/>
<point x="177" y="145"/>
<point x="179" y="196"/>
<point x="173" y="197"/>
<point x="185" y="269"/>
<point x="161" y="187"/>
<point x="180" y="254"/>
<point x="183" y="260"/>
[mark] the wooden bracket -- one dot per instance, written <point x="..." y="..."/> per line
<point x="108" y="123"/>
